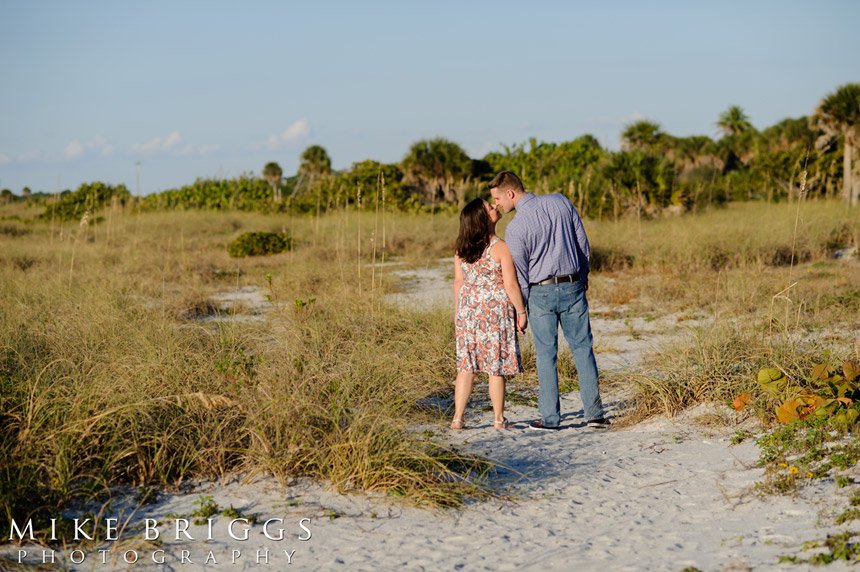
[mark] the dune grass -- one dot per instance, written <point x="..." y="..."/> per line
<point x="108" y="375"/>
<point x="759" y="280"/>
<point x="106" y="380"/>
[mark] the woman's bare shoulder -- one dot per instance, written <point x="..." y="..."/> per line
<point x="499" y="249"/>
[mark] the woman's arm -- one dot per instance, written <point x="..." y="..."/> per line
<point x="458" y="282"/>
<point x="502" y="254"/>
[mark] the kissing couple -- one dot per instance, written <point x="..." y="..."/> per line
<point x="537" y="276"/>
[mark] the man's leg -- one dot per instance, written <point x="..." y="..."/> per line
<point x="543" y="320"/>
<point x="573" y="314"/>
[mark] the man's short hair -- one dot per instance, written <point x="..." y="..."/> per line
<point x="507" y="181"/>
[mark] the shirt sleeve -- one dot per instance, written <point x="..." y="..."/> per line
<point x="583" y="248"/>
<point x="520" y="254"/>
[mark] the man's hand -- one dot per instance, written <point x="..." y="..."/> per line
<point x="522" y="322"/>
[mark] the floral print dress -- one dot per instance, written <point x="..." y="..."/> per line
<point x="486" y="320"/>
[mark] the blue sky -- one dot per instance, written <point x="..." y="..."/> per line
<point x="218" y="88"/>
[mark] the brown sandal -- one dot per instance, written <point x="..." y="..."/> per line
<point x="503" y="424"/>
<point x="458" y="424"/>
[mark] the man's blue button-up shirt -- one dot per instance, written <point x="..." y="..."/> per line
<point x="547" y="239"/>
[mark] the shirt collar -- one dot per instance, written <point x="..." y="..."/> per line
<point x="524" y="200"/>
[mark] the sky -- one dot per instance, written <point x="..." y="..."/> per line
<point x="155" y="94"/>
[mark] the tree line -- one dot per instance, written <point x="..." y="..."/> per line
<point x="654" y="172"/>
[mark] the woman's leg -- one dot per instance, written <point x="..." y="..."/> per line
<point x="497" y="396"/>
<point x="462" y="392"/>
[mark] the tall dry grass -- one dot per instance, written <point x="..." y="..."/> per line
<point x="759" y="280"/>
<point x="739" y="235"/>
<point x="104" y="378"/>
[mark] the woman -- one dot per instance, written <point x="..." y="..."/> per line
<point x="489" y="310"/>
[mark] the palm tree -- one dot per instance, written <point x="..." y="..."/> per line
<point x="435" y="164"/>
<point x="739" y="142"/>
<point x="839" y="114"/>
<point x="790" y="133"/>
<point x="642" y="134"/>
<point x="272" y="172"/>
<point x="315" y="162"/>
<point x="734" y="121"/>
<point x="692" y="152"/>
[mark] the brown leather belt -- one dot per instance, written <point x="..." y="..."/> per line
<point x="558" y="280"/>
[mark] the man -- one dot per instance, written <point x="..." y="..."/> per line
<point x="550" y="252"/>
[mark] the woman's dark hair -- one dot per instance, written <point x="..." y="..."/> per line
<point x="474" y="231"/>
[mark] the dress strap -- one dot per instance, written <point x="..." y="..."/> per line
<point x="493" y="241"/>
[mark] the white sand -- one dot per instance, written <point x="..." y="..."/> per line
<point x="658" y="496"/>
<point x="661" y="495"/>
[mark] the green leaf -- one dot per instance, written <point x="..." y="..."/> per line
<point x="820" y="372"/>
<point x="772" y="380"/>
<point x="851" y="370"/>
<point x="788" y="411"/>
<point x="842" y="389"/>
<point x="845" y="420"/>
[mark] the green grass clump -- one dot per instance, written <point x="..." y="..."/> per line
<point x="258" y="244"/>
<point x="739" y="437"/>
<point x="804" y="450"/>
<point x="837" y="547"/>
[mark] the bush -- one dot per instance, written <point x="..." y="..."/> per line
<point x="259" y="244"/>
<point x="89" y="197"/>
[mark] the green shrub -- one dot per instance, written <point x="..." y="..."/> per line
<point x="244" y="193"/>
<point x="259" y="244"/>
<point x="89" y="197"/>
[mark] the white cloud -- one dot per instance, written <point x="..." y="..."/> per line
<point x="4" y="158"/>
<point x="158" y="144"/>
<point x="292" y="134"/>
<point x="172" y="140"/>
<point x="297" y="130"/>
<point x="74" y="149"/>
<point x="98" y="144"/>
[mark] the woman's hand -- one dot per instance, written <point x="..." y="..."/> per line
<point x="522" y="322"/>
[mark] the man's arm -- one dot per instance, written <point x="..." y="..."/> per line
<point x="520" y="254"/>
<point x="583" y="248"/>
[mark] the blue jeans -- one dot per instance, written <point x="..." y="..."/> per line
<point x="564" y="304"/>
